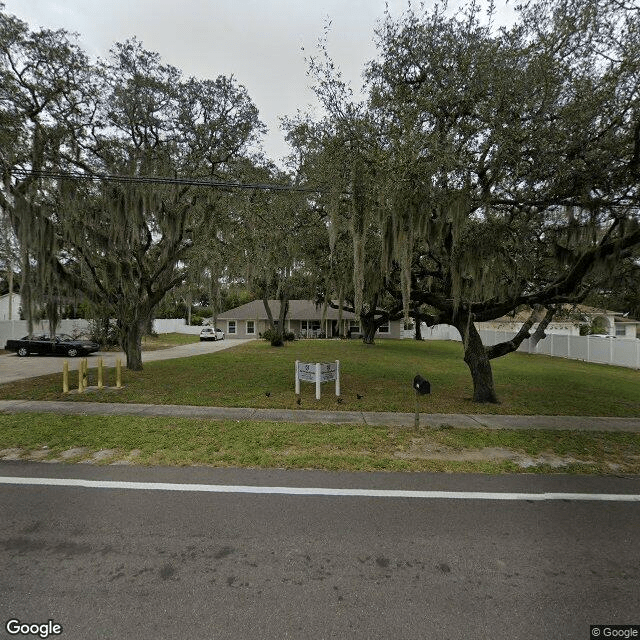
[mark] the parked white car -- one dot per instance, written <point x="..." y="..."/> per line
<point x="211" y="333"/>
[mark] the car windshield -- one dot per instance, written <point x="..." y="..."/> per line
<point x="63" y="337"/>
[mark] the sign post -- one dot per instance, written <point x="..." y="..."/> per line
<point x="318" y="381"/>
<point x="317" y="372"/>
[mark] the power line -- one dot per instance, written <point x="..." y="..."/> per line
<point x="195" y="182"/>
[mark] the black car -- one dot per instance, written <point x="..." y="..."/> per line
<point x="45" y="344"/>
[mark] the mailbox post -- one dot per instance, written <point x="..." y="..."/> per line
<point x="422" y="387"/>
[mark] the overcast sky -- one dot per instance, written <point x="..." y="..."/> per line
<point x="259" y="42"/>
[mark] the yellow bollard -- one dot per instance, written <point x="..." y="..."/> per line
<point x="85" y="373"/>
<point x="100" y="380"/>
<point x="65" y="376"/>
<point x="80" y="377"/>
<point x="118" y="373"/>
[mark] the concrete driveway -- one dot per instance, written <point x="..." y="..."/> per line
<point x="14" y="368"/>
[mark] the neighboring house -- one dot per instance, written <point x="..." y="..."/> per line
<point x="613" y="323"/>
<point x="15" y="306"/>
<point x="304" y="319"/>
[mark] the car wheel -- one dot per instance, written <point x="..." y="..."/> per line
<point x="72" y="353"/>
<point x="23" y="351"/>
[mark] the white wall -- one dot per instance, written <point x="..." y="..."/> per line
<point x="16" y="301"/>
<point x="16" y="329"/>
<point x="437" y="332"/>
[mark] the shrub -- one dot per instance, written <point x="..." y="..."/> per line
<point x="275" y="340"/>
<point x="104" y="332"/>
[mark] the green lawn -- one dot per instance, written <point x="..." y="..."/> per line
<point x="167" y="340"/>
<point x="170" y="441"/>
<point x="382" y="374"/>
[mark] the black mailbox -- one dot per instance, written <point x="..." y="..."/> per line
<point x="422" y="386"/>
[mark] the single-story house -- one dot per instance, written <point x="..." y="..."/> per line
<point x="10" y="306"/>
<point x="569" y="320"/>
<point x="304" y="319"/>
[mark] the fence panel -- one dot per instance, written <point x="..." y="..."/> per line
<point x="525" y="346"/>
<point x="579" y="347"/>
<point x="600" y="350"/>
<point x="625" y="352"/>
<point x="545" y="346"/>
<point x="560" y="345"/>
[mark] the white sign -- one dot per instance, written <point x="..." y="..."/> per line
<point x="306" y="371"/>
<point x="328" y="371"/>
<point x="317" y="372"/>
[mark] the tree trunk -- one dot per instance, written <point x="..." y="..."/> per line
<point x="132" y="345"/>
<point x="417" y="322"/>
<point x="277" y="334"/>
<point x="477" y="359"/>
<point x="10" y="290"/>
<point x="368" y="329"/>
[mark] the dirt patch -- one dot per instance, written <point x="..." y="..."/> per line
<point x="102" y="455"/>
<point x="74" y="453"/>
<point x="128" y="459"/>
<point x="11" y="454"/>
<point x="487" y="454"/>
<point x="38" y="454"/>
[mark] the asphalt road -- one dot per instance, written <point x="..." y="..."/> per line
<point x="12" y="367"/>
<point x="139" y="563"/>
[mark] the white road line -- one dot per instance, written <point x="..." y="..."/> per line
<point x="316" y="491"/>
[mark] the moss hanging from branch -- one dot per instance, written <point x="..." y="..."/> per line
<point x="358" y="231"/>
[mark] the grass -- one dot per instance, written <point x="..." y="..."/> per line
<point x="382" y="374"/>
<point x="165" y="341"/>
<point x="168" y="441"/>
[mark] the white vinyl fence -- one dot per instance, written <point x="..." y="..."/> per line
<point x="16" y="329"/>
<point x="174" y="325"/>
<point x="617" y="351"/>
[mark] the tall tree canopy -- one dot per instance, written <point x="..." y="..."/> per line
<point x="121" y="243"/>
<point x="497" y="168"/>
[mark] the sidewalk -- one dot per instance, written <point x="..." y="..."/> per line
<point x="577" y="423"/>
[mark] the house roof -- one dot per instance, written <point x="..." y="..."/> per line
<point x="298" y="310"/>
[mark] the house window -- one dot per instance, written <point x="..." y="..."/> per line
<point x="384" y="328"/>
<point x="251" y="327"/>
<point x="310" y="325"/>
<point x="621" y="331"/>
<point x="231" y="328"/>
<point x="354" y="327"/>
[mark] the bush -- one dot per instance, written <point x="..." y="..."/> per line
<point x="270" y="336"/>
<point x="104" y="332"/>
